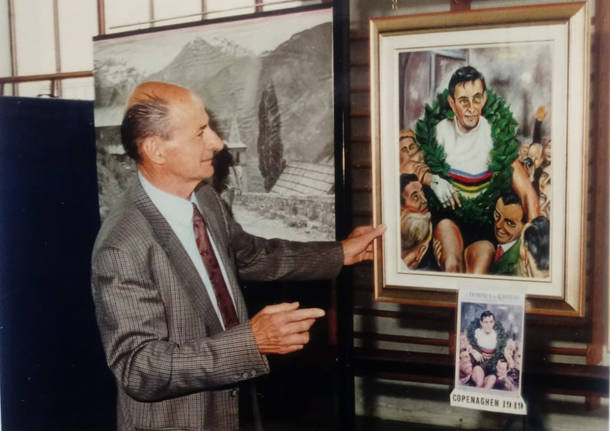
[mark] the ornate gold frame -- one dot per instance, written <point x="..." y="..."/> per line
<point x="572" y="300"/>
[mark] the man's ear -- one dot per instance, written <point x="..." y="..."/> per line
<point x="484" y="97"/>
<point x="451" y="102"/>
<point x="153" y="149"/>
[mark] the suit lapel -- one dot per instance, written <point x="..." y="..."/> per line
<point x="178" y="256"/>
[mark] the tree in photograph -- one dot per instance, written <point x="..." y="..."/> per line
<point x="270" y="149"/>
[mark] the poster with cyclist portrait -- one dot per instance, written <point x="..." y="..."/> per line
<point x="489" y="351"/>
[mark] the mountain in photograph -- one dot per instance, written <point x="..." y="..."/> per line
<point x="114" y="82"/>
<point x="225" y="77"/>
<point x="230" y="79"/>
<point x="301" y="72"/>
<point x="274" y="108"/>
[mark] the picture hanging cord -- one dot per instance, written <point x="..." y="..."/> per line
<point x="211" y="12"/>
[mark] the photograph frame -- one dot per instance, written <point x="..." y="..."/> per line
<point x="307" y="205"/>
<point x="566" y="296"/>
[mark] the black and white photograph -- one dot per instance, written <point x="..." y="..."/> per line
<point x="489" y="351"/>
<point x="268" y="87"/>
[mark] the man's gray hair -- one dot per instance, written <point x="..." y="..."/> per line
<point x="414" y="228"/>
<point x="144" y="120"/>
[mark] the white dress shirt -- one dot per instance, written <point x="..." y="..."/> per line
<point x="178" y="212"/>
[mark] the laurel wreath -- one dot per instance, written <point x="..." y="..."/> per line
<point x="501" y="337"/>
<point x="477" y="210"/>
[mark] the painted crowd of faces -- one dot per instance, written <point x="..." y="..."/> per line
<point x="423" y="248"/>
<point x="485" y="360"/>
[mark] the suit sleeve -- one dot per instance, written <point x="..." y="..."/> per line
<point x="260" y="259"/>
<point x="145" y="362"/>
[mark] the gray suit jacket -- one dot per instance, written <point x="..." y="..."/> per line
<point x="175" y="367"/>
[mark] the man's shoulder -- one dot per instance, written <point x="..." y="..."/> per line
<point x="445" y="131"/>
<point x="484" y="125"/>
<point x="125" y="227"/>
<point x="445" y="125"/>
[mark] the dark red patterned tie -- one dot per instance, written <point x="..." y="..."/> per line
<point x="225" y="304"/>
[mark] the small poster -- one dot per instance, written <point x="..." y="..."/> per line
<point x="489" y="351"/>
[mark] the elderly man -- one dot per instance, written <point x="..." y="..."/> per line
<point x="415" y="225"/>
<point x="166" y="265"/>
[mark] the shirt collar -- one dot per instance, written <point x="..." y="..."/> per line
<point x="175" y="209"/>
<point x="508" y="245"/>
<point x="457" y="127"/>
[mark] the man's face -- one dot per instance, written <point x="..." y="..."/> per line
<point x="467" y="103"/>
<point x="415" y="201"/>
<point x="535" y="152"/>
<point x="191" y="147"/>
<point x="545" y="177"/>
<point x="517" y="357"/>
<point x="409" y="151"/>
<point x="546" y="152"/>
<point x="465" y="363"/>
<point x="523" y="150"/>
<point x="508" y="222"/>
<point x="501" y="368"/>
<point x="487" y="324"/>
<point x="545" y="192"/>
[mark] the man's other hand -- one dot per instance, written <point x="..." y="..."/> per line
<point x="283" y="328"/>
<point x="358" y="246"/>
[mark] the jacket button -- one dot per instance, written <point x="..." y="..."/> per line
<point x="234" y="392"/>
<point x="245" y="375"/>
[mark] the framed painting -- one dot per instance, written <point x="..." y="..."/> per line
<point x="479" y="127"/>
<point x="267" y="83"/>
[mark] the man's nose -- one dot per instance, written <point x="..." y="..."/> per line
<point x="214" y="142"/>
